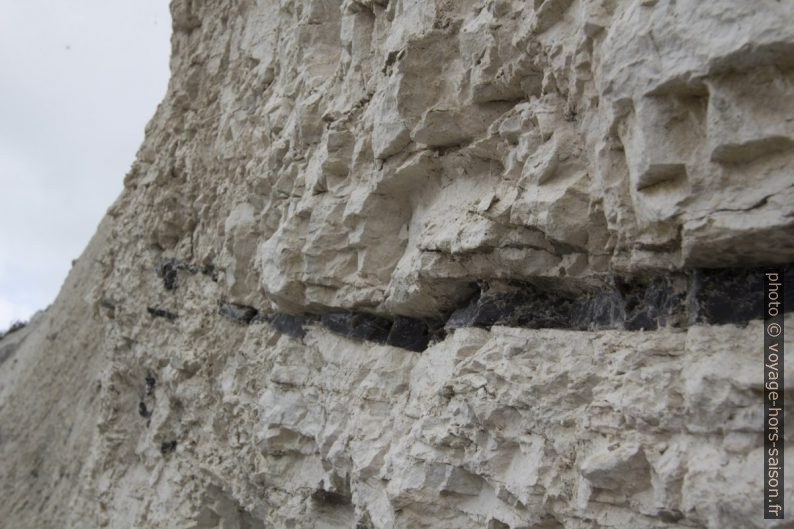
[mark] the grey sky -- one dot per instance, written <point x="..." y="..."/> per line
<point x="78" y="82"/>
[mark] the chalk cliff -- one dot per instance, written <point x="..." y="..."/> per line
<point x="425" y="264"/>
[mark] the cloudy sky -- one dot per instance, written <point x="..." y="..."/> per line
<point x="78" y="82"/>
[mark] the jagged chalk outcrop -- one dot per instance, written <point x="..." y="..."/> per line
<point x="425" y="264"/>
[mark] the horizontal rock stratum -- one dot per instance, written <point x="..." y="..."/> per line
<point x="441" y="264"/>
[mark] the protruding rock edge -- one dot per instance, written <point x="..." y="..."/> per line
<point x="650" y="302"/>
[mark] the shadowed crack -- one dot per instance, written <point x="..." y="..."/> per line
<point x="649" y="302"/>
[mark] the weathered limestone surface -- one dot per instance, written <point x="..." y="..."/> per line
<point x="425" y="264"/>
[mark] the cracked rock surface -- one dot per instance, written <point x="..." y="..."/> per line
<point x="425" y="264"/>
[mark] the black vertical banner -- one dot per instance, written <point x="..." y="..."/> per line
<point x="773" y="395"/>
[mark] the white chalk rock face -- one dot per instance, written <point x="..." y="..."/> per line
<point x="425" y="264"/>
